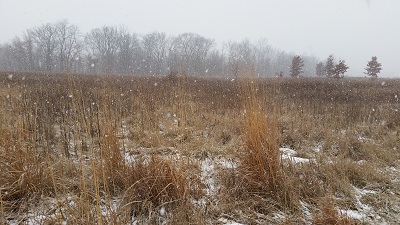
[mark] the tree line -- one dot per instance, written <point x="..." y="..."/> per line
<point x="61" y="47"/>
<point x="331" y="70"/>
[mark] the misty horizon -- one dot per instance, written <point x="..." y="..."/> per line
<point x="312" y="28"/>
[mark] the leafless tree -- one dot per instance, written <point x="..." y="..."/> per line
<point x="103" y="44"/>
<point x="128" y="53"/>
<point x="59" y="46"/>
<point x="19" y="54"/>
<point x="263" y="58"/>
<point x="216" y="63"/>
<point x="155" y="46"/>
<point x="7" y="62"/>
<point x="191" y="51"/>
<point x="320" y="69"/>
<point x="69" y="44"/>
<point x="282" y="62"/>
<point x="45" y="38"/>
<point x="240" y="56"/>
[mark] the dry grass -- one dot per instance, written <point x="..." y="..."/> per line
<point x="89" y="149"/>
<point x="261" y="174"/>
<point x="329" y="215"/>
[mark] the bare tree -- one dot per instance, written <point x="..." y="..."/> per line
<point x="2" y="58"/>
<point x="30" y="50"/>
<point x="240" y="56"/>
<point x="263" y="58"/>
<point x="282" y="62"/>
<point x="309" y="65"/>
<point x="320" y="69"/>
<point x="60" y="46"/>
<point x="19" y="54"/>
<point x="155" y="46"/>
<point x="373" y="67"/>
<point x="129" y="49"/>
<point x="7" y="57"/>
<point x="103" y="44"/>
<point x="46" y="39"/>
<point x="191" y="51"/>
<point x="69" y="44"/>
<point x="216" y="63"/>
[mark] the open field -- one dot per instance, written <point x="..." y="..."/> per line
<point x="86" y="149"/>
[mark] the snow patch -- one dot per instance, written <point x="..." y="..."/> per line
<point x="207" y="176"/>
<point x="289" y="154"/>
<point x="363" y="212"/>
<point x="228" y="222"/>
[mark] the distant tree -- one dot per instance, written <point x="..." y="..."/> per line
<point x="103" y="43"/>
<point x="309" y="65"/>
<point x="262" y="57"/>
<point x="155" y="46"/>
<point x="240" y="56"/>
<point x="45" y="37"/>
<point x="19" y="54"/>
<point x="320" y="69"/>
<point x="191" y="51"/>
<point x="282" y="61"/>
<point x="128" y="53"/>
<point x="340" y="69"/>
<point x="373" y="67"/>
<point x="330" y="66"/>
<point x="68" y="43"/>
<point x="297" y="66"/>
<point x="216" y="63"/>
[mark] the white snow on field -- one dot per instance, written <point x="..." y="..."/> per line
<point x="289" y="154"/>
<point x="353" y="214"/>
<point x="207" y="175"/>
<point x="363" y="212"/>
<point x="228" y="222"/>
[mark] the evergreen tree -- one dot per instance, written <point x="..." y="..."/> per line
<point x="297" y="66"/>
<point x="373" y="67"/>
<point x="340" y="69"/>
<point x="330" y="66"/>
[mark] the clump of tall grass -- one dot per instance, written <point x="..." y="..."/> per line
<point x="261" y="174"/>
<point x="261" y="156"/>
<point x="152" y="184"/>
<point x="25" y="173"/>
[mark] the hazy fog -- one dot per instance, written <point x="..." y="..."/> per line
<point x="353" y="30"/>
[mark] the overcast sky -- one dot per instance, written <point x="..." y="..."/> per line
<point x="353" y="30"/>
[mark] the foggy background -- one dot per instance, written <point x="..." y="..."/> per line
<point x="353" y="30"/>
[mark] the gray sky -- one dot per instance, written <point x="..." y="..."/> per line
<point x="353" y="30"/>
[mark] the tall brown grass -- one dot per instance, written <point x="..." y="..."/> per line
<point x="107" y="149"/>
